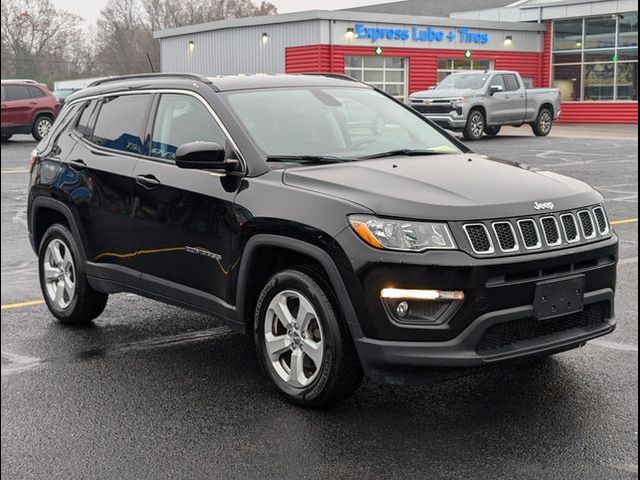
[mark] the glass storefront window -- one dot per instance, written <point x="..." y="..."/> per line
<point x="627" y="88"/>
<point x="600" y="32"/>
<point x="591" y="62"/>
<point x="568" y="79"/>
<point x="447" y="66"/>
<point x="386" y="73"/>
<point x="628" y="30"/>
<point x="599" y="81"/>
<point x="567" y="34"/>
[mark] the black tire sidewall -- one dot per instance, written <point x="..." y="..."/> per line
<point x="321" y="301"/>
<point x="60" y="232"/>
<point x="536" y="127"/>
<point x="492" y="131"/>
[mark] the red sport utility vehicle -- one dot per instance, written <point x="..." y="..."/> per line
<point x="27" y="107"/>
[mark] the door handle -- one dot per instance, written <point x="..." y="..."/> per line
<point x="77" y="164"/>
<point x="148" y="181"/>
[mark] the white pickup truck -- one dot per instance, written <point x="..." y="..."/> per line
<point x="477" y="103"/>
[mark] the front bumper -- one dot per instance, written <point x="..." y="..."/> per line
<point x="498" y="291"/>
<point x="450" y="122"/>
<point x="400" y="361"/>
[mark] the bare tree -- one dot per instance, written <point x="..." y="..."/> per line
<point x="125" y="27"/>
<point x="37" y="38"/>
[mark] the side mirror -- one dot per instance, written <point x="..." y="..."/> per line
<point x="204" y="156"/>
<point x="493" y="89"/>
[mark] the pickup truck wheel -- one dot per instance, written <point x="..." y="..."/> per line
<point x="64" y="285"/>
<point x="6" y="138"/>
<point x="42" y="127"/>
<point x="492" y="131"/>
<point x="303" y="346"/>
<point x="544" y="123"/>
<point x="475" y="126"/>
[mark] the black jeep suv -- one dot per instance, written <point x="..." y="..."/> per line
<point x="336" y="225"/>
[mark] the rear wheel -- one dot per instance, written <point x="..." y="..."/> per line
<point x="303" y="346"/>
<point x="475" y="126"/>
<point x="492" y="131"/>
<point x="64" y="285"/>
<point x="42" y="127"/>
<point x="544" y="123"/>
<point x="6" y="138"/>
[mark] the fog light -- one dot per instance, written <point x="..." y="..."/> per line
<point x="437" y="295"/>
<point x="402" y="309"/>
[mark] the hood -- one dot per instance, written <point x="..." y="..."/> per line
<point x="447" y="93"/>
<point x="444" y="187"/>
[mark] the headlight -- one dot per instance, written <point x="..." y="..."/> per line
<point x="404" y="235"/>
<point x="456" y="102"/>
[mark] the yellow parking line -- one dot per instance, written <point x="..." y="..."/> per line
<point x="624" y="222"/>
<point x="14" y="170"/>
<point x="30" y="303"/>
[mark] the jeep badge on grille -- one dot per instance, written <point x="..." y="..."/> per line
<point x="544" y="206"/>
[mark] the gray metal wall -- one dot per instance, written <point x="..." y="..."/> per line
<point x="237" y="50"/>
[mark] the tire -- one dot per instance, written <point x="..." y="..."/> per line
<point x="41" y="127"/>
<point x="475" y="126"/>
<point x="544" y="123"/>
<point x="492" y="131"/>
<point x="6" y="138"/>
<point x="78" y="304"/>
<point x="321" y="334"/>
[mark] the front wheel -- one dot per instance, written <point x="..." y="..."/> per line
<point x="42" y="127"/>
<point x="64" y="285"/>
<point x="6" y="138"/>
<point x="303" y="345"/>
<point x="543" y="124"/>
<point x="475" y="126"/>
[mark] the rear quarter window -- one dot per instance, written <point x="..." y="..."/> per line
<point x="86" y="119"/>
<point x="35" y="92"/>
<point x="121" y="123"/>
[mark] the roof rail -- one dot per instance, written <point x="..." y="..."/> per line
<point x="23" y="80"/>
<point x="142" y="76"/>
<point x="339" y="76"/>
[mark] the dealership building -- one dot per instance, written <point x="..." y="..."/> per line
<point x="587" y="49"/>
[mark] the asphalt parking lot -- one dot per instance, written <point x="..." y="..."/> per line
<point x="153" y="391"/>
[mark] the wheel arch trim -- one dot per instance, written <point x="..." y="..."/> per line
<point x="39" y="203"/>
<point x="301" y="247"/>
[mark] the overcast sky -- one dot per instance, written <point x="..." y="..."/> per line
<point x="89" y="8"/>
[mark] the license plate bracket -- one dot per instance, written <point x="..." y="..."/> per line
<point x="555" y="298"/>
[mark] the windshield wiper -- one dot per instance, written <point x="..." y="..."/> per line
<point x="404" y="152"/>
<point x="308" y="159"/>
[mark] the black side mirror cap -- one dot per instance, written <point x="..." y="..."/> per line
<point x="205" y="156"/>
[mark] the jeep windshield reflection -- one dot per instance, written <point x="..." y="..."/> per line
<point x="333" y="124"/>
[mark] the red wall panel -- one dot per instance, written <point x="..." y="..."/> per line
<point x="423" y="65"/>
<point x="599" y="112"/>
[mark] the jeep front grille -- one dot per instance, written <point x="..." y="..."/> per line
<point x="544" y="232"/>
<point x="479" y="237"/>
<point x="530" y="234"/>
<point x="570" y="228"/>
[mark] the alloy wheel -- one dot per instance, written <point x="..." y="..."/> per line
<point x="477" y="125"/>
<point x="294" y="339"/>
<point x="59" y="274"/>
<point x="43" y="127"/>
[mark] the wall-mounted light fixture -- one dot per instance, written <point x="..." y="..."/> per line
<point x="265" y="38"/>
<point x="192" y="46"/>
<point x="351" y="33"/>
<point x="578" y="44"/>
<point x="508" y="40"/>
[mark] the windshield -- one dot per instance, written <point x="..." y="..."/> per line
<point x="461" y="81"/>
<point x="341" y="123"/>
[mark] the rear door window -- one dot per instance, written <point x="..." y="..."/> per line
<point x="511" y="82"/>
<point x="121" y="123"/>
<point x="16" y="92"/>
<point x="85" y="122"/>
<point x="35" y="92"/>
<point x="182" y="119"/>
